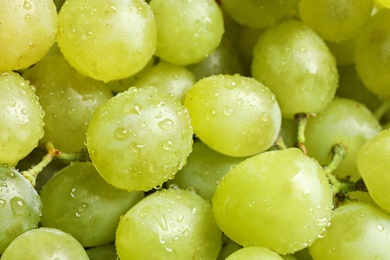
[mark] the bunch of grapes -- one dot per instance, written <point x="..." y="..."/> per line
<point x="194" y="129"/>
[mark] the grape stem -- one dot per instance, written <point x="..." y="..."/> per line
<point x="32" y="173"/>
<point x="279" y="143"/>
<point x="301" y="121"/>
<point x="339" y="152"/>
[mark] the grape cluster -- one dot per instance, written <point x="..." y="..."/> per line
<point x="194" y="129"/>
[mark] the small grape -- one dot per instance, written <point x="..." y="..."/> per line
<point x="216" y="103"/>
<point x="254" y="252"/>
<point x="21" y="118"/>
<point x="187" y="31"/>
<point x="107" y="40"/>
<point x="27" y="31"/>
<point x="106" y="252"/>
<point x="169" y="224"/>
<point x="45" y="243"/>
<point x="295" y="63"/>
<point x="139" y="139"/>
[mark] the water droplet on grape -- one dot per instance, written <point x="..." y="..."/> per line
<point x="82" y="207"/>
<point x="185" y="233"/>
<point x="3" y="185"/>
<point x="18" y="205"/>
<point x="11" y="175"/>
<point x="166" y="124"/>
<point x="321" y="222"/>
<point x="264" y="117"/>
<point x="231" y="84"/>
<point x="380" y="227"/>
<point x="72" y="192"/>
<point x="121" y="133"/>
<point x="239" y="102"/>
<point x="227" y="111"/>
<point x="136" y="147"/>
<point x="3" y="203"/>
<point x="179" y="217"/>
<point x="167" y="145"/>
<point x="27" y="5"/>
<point x="163" y="224"/>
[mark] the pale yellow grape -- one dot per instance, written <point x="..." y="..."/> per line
<point x="372" y="55"/>
<point x="259" y="14"/>
<point x="169" y="224"/>
<point x="21" y="118"/>
<point x="170" y="78"/>
<point x="234" y="115"/>
<point x="107" y="39"/>
<point x="295" y="63"/>
<point x="187" y="30"/>
<point x="358" y="231"/>
<point x="383" y="3"/>
<point x="254" y="253"/>
<point x="139" y="139"/>
<point x="373" y="161"/>
<point x="278" y="199"/>
<point x="27" y="31"/>
<point x="335" y="20"/>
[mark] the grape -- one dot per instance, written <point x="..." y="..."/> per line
<point x="216" y="103"/>
<point x="309" y="70"/>
<point x="335" y="20"/>
<point x="258" y="14"/>
<point x="21" y="118"/>
<point x="343" y="121"/>
<point x="20" y="206"/>
<point x="169" y="224"/>
<point x="277" y="199"/>
<point x="203" y="171"/>
<point x="170" y="78"/>
<point x="254" y="252"/>
<point x="384" y="3"/>
<point x="139" y="139"/>
<point x="227" y="250"/>
<point x="358" y="231"/>
<point x="187" y="31"/>
<point x="224" y="60"/>
<point x="27" y="31"/>
<point x="373" y="164"/>
<point x="68" y="99"/>
<point x="90" y="207"/>
<point x="372" y="53"/>
<point x="45" y="243"/>
<point x="106" y="252"/>
<point x="107" y="40"/>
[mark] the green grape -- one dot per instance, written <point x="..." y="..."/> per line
<point x="45" y="244"/>
<point x="259" y="14"/>
<point x="139" y="139"/>
<point x="169" y="224"/>
<point x="20" y="206"/>
<point x="344" y="51"/>
<point x="372" y="54"/>
<point x="106" y="252"/>
<point x="224" y="60"/>
<point x="124" y="84"/>
<point x="343" y="121"/>
<point x="335" y="20"/>
<point x="358" y="231"/>
<point x="21" y="118"/>
<point x="187" y="31"/>
<point x="352" y="87"/>
<point x="68" y="99"/>
<point x="295" y="63"/>
<point x="27" y="31"/>
<point x="90" y="208"/>
<point x="107" y="40"/>
<point x="203" y="171"/>
<point x="170" y="78"/>
<point x="216" y="103"/>
<point x="373" y="164"/>
<point x="253" y="253"/>
<point x="278" y="199"/>
<point x="383" y="3"/>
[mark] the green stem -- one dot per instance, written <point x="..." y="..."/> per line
<point x="32" y="173"/>
<point x="301" y="120"/>
<point x="384" y="106"/>
<point x="279" y="143"/>
<point x="339" y="152"/>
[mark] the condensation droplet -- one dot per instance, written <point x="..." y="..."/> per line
<point x="179" y="217"/>
<point x="167" y="145"/>
<point x="3" y="203"/>
<point x="166" y="124"/>
<point x="11" y="175"/>
<point x="264" y="117"/>
<point x="380" y="227"/>
<point x="18" y="205"/>
<point x="82" y="207"/>
<point x="121" y="133"/>
<point x="227" y="111"/>
<point x="239" y="102"/>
